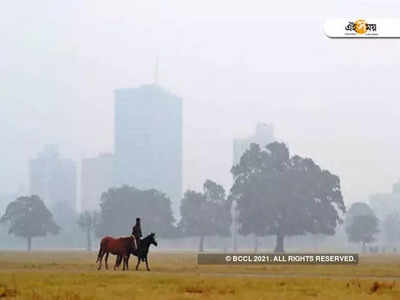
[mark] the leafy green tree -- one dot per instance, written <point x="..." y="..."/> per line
<point x="120" y="206"/>
<point x="362" y="229"/>
<point x="282" y="195"/>
<point x="28" y="217"/>
<point x="87" y="221"/>
<point x="205" y="214"/>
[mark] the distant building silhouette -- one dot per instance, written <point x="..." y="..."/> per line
<point x="53" y="179"/>
<point x="148" y="140"/>
<point x="5" y="199"/>
<point x="263" y="135"/>
<point x="96" y="178"/>
<point x="384" y="204"/>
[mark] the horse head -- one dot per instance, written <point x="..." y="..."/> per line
<point x="152" y="239"/>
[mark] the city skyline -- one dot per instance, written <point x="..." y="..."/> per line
<point x="58" y="87"/>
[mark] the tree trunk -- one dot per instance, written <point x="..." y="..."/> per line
<point x="201" y="245"/>
<point x="279" y="243"/>
<point x="89" y="240"/>
<point x="255" y="244"/>
<point x="29" y="240"/>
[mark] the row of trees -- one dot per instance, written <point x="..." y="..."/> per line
<point x="274" y="194"/>
<point x="203" y="214"/>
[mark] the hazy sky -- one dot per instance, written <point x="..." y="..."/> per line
<point x="233" y="62"/>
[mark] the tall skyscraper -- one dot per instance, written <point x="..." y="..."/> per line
<point x="96" y="178"/>
<point x="53" y="179"/>
<point x="148" y="140"/>
<point x="263" y="135"/>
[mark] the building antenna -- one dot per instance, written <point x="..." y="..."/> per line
<point x="156" y="71"/>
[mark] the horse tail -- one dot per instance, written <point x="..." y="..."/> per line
<point x="98" y="255"/>
<point x="102" y="248"/>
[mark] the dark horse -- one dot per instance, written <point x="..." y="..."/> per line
<point x="141" y="253"/>
<point x="117" y="246"/>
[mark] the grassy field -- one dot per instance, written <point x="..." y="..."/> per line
<point x="73" y="275"/>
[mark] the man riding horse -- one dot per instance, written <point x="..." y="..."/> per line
<point x="137" y="233"/>
<point x="124" y="246"/>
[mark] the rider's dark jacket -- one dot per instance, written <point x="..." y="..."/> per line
<point x="137" y="231"/>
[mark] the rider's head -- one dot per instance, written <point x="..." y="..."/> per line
<point x="137" y="220"/>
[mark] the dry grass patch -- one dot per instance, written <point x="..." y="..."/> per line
<point x="73" y="276"/>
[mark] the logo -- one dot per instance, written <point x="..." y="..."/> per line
<point x="361" y="27"/>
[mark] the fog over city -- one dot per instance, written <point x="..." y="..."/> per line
<point x="233" y="65"/>
<point x="208" y="149"/>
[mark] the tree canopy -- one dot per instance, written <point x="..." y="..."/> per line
<point x="205" y="213"/>
<point x="283" y="195"/>
<point x="361" y="224"/>
<point x="28" y="217"/>
<point x="358" y="209"/>
<point x="362" y="229"/>
<point x="120" y="206"/>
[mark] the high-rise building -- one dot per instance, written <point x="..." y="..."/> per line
<point x="53" y="179"/>
<point x="96" y="178"/>
<point x="263" y="135"/>
<point x="148" y="140"/>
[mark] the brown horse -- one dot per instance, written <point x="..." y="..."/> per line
<point x="117" y="246"/>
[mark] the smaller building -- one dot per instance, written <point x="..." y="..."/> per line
<point x="386" y="203"/>
<point x="53" y="179"/>
<point x="5" y="199"/>
<point x="263" y="135"/>
<point x="96" y="178"/>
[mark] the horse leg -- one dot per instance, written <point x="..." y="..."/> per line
<point x="106" y="260"/>
<point x="127" y="262"/>
<point x="138" y="262"/>
<point x="120" y="259"/>
<point x="124" y="263"/>
<point x="147" y="264"/>
<point x="117" y="262"/>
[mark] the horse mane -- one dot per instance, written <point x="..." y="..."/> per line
<point x="148" y="236"/>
